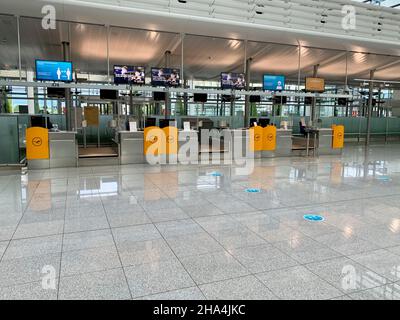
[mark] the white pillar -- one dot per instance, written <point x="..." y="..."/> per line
<point x="31" y="93"/>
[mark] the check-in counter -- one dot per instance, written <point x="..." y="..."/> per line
<point x="240" y="137"/>
<point x="63" y="149"/>
<point x="131" y="146"/>
<point x="319" y="140"/>
<point x="191" y="138"/>
<point x="325" y="139"/>
<point x="283" y="145"/>
<point x="62" y="152"/>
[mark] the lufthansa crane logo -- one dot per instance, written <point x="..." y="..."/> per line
<point x="37" y="142"/>
<point x="270" y="137"/>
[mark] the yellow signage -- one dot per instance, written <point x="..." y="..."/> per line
<point x="171" y="139"/>
<point x="315" y="84"/>
<point x="256" y="138"/>
<point x="160" y="141"/>
<point x="37" y="143"/>
<point x="338" y="137"/>
<point x="269" y="138"/>
<point x="154" y="141"/>
<point x="92" y="116"/>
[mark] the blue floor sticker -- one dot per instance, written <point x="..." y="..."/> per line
<point x="313" y="217"/>
<point x="216" y="174"/>
<point x="253" y="190"/>
<point x="384" y="178"/>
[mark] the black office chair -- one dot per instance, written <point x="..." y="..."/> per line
<point x="302" y="129"/>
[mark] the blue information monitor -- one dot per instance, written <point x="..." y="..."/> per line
<point x="53" y="71"/>
<point x="274" y="83"/>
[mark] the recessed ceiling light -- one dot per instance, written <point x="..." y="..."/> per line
<point x="259" y="6"/>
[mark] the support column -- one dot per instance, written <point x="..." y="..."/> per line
<point x="30" y="93"/>
<point x="185" y="99"/>
<point x="370" y="106"/>
<point x="314" y="112"/>
<point x="247" y="103"/>
<point x="68" y="103"/>
<point x="167" y="64"/>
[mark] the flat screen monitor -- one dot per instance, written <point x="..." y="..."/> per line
<point x="129" y="75"/>
<point x="281" y="100"/>
<point x="255" y="99"/>
<point x="315" y="84"/>
<point x="150" y="122"/>
<point x="252" y="121"/>
<point x="274" y="83"/>
<point x="40" y="121"/>
<point x="200" y="97"/>
<point x="23" y="109"/>
<point x="342" y="101"/>
<point x="55" y="92"/>
<point x="308" y="101"/>
<point x="108" y="94"/>
<point x="165" y="77"/>
<point x="54" y="70"/>
<point x="264" y="122"/>
<point x="227" y="98"/>
<point x="164" y="123"/>
<point x="159" y="96"/>
<point x="235" y="81"/>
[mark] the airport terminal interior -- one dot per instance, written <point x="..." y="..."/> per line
<point x="199" y="150"/>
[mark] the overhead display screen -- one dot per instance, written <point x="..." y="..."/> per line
<point x="129" y="75"/>
<point x="274" y="83"/>
<point x="165" y="77"/>
<point x="315" y="84"/>
<point x="53" y="70"/>
<point x="235" y="81"/>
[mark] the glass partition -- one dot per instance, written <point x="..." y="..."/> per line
<point x="9" y="142"/>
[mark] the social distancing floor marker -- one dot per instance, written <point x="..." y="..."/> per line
<point x="253" y="190"/>
<point x="384" y="178"/>
<point x="313" y="217"/>
<point x="216" y="174"/>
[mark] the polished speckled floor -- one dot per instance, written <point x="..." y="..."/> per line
<point x="178" y="232"/>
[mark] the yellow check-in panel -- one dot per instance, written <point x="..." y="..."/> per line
<point x="338" y="137"/>
<point x="154" y="141"/>
<point x="269" y="138"/>
<point x="37" y="144"/>
<point x="171" y="139"/>
<point x="256" y="138"/>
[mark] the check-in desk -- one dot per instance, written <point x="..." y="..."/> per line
<point x="62" y="152"/>
<point x="131" y="146"/>
<point x="240" y="143"/>
<point x="325" y="138"/>
<point x="241" y="138"/>
<point x="320" y="141"/>
<point x="189" y="139"/>
<point x="63" y="149"/>
<point x="283" y="145"/>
